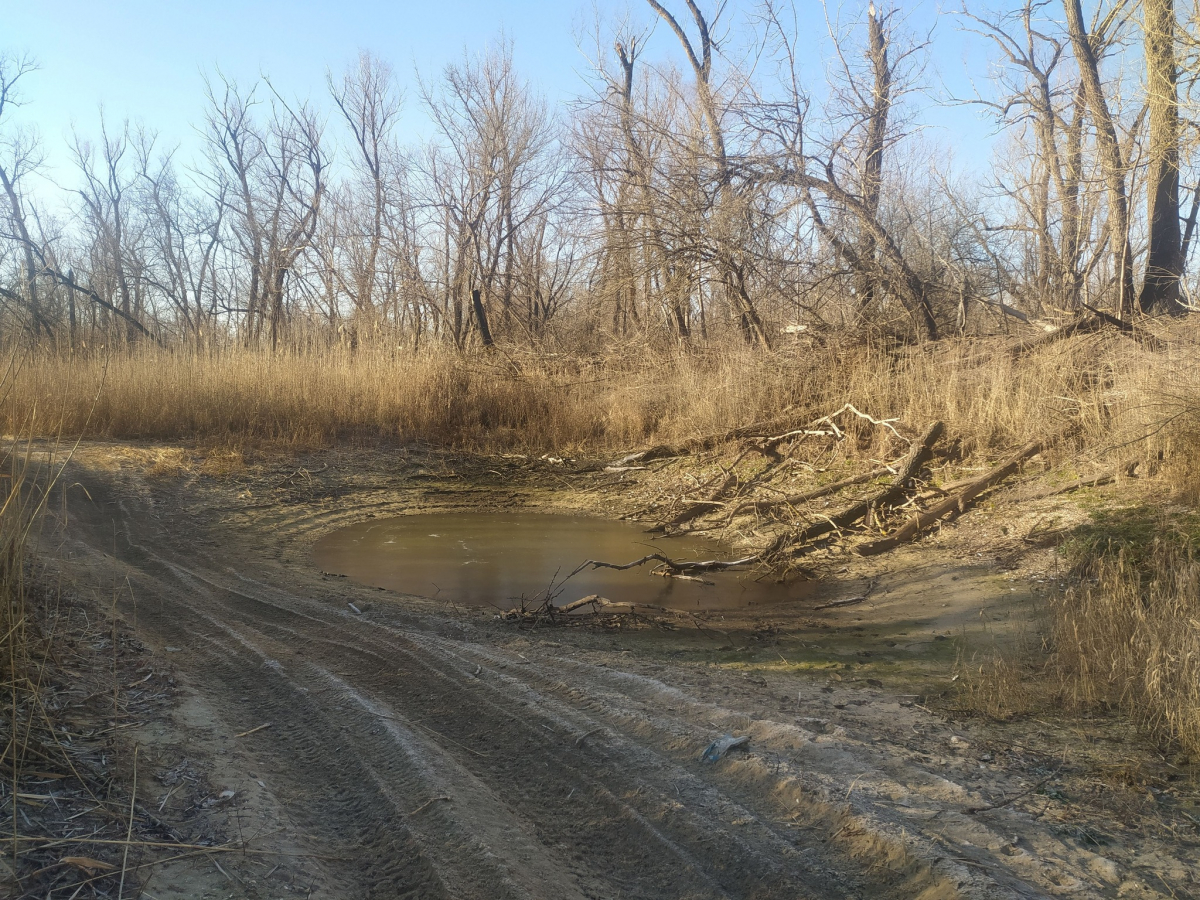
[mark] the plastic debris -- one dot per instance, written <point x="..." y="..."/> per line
<point x="721" y="746"/>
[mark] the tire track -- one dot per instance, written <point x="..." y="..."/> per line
<point x="565" y="779"/>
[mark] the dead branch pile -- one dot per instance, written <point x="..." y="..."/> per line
<point x="733" y="494"/>
<point x="903" y="505"/>
<point x="955" y="504"/>
<point x="867" y="509"/>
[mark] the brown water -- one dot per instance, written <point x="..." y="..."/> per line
<point x="496" y="559"/>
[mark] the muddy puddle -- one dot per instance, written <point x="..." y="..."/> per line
<point x="496" y="559"/>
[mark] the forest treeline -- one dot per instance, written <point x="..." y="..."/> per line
<point x="714" y="196"/>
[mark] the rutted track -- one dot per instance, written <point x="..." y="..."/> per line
<point x="427" y="759"/>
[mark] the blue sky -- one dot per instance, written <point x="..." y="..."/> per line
<point x="145" y="59"/>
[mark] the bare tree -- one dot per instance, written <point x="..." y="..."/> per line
<point x="272" y="182"/>
<point x="645" y="179"/>
<point x="370" y="105"/>
<point x="732" y="264"/>
<point x="1112" y="157"/>
<point x="110" y="215"/>
<point x="497" y="174"/>
<point x="1035" y="94"/>
<point x="841" y="201"/>
<point x="21" y="156"/>
<point x="182" y="236"/>
<point x="875" y="141"/>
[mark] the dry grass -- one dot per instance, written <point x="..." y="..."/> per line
<point x="21" y="504"/>
<point x="570" y="404"/>
<point x="1129" y="636"/>
<point x="23" y="647"/>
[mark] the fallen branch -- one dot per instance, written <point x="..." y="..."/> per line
<point x="697" y="445"/>
<point x="598" y="604"/>
<point x="1095" y="481"/>
<point x="1097" y="321"/>
<point x="1080" y="325"/>
<point x="594" y="600"/>
<point x="955" y="504"/>
<point x="917" y="456"/>
<point x="697" y="508"/>
<point x="809" y="496"/>
<point x="770" y="444"/>
<point x="253" y="730"/>
<point x="848" y="601"/>
<point x="678" y="567"/>
<point x="884" y="423"/>
<point x="1147" y="340"/>
<point x="754" y="431"/>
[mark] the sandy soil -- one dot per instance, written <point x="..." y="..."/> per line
<point x="422" y="750"/>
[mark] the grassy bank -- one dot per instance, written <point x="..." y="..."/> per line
<point x="1109" y="387"/>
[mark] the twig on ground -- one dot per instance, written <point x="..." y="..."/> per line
<point x="971" y="810"/>
<point x="129" y="830"/>
<point x="428" y="803"/>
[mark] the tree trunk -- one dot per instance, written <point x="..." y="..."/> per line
<point x="30" y="270"/>
<point x="1072" y="237"/>
<point x="481" y="319"/>
<point x="1164" y="263"/>
<point x="872" y="167"/>
<point x="1110" y="154"/>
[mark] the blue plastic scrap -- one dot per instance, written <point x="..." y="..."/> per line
<point x="721" y="746"/>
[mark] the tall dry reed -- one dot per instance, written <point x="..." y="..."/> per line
<point x="987" y="397"/>
<point x="1129" y="636"/>
<point x="23" y="647"/>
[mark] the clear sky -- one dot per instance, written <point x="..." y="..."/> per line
<point x="145" y="59"/>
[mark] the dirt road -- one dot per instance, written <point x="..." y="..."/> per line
<point x="416" y="750"/>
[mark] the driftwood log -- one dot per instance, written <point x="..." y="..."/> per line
<point x="698" y="445"/>
<point x="593" y="600"/>
<point x="816" y="494"/>
<point x="673" y="566"/>
<point x="954" y="504"/>
<point x="921" y="452"/>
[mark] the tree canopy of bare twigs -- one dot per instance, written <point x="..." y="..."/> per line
<point x="701" y="189"/>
